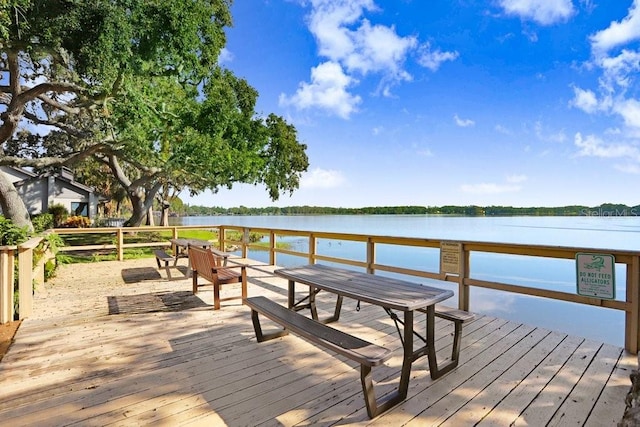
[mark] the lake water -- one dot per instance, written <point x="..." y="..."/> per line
<point x="596" y="231"/>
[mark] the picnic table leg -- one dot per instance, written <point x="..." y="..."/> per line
<point x="376" y="407"/>
<point x="407" y="356"/>
<point x="291" y="295"/>
<point x="434" y="370"/>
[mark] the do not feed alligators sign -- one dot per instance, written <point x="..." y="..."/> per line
<point x="595" y="275"/>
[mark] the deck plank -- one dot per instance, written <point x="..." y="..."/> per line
<point x="161" y="363"/>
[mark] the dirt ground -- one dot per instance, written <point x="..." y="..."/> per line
<point x="7" y="331"/>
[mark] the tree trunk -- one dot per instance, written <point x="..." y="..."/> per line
<point x="137" y="204"/>
<point x="12" y="205"/>
<point x="150" y="220"/>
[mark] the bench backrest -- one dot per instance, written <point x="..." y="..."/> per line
<point x="204" y="262"/>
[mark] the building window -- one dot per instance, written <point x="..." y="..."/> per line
<point x="80" y="208"/>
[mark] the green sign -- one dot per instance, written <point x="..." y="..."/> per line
<point x="595" y="275"/>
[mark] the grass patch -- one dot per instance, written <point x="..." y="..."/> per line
<point x="102" y="255"/>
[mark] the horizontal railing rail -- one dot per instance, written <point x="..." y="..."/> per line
<point x="463" y="277"/>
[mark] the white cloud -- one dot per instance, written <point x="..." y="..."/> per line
<point x="592" y="146"/>
<point x="379" y="48"/>
<point x="490" y="188"/>
<point x="502" y="129"/>
<point x="516" y="179"/>
<point x="544" y="135"/>
<point x="322" y="178"/>
<point x="359" y="48"/>
<point x="629" y="168"/>
<point x="512" y="185"/>
<point x="463" y="122"/>
<point x="585" y="100"/>
<point x="618" y="33"/>
<point x="629" y="110"/>
<point x="544" y="12"/>
<point x="432" y="59"/>
<point x="327" y="90"/>
<point x="225" y="56"/>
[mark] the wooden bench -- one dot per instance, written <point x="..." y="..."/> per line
<point x="204" y="263"/>
<point x="458" y="317"/>
<point x="354" y="348"/>
<point x="162" y="256"/>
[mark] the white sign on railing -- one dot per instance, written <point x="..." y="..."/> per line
<point x="595" y="275"/>
<point x="450" y="253"/>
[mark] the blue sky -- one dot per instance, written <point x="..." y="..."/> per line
<point x="414" y="102"/>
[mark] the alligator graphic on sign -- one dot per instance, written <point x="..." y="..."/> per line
<point x="596" y="264"/>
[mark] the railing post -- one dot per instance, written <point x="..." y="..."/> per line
<point x="25" y="281"/>
<point x="120" y="236"/>
<point x="312" y="248"/>
<point x="272" y="247"/>
<point x="371" y="255"/>
<point x="6" y="285"/>
<point x="222" y="238"/>
<point x="245" y="243"/>
<point x="632" y="318"/>
<point x="175" y="232"/>
<point x="464" y="289"/>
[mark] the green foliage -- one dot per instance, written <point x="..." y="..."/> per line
<point x="50" y="268"/>
<point x="59" y="213"/>
<point x="197" y="234"/>
<point x="54" y="242"/>
<point x="10" y="234"/>
<point x="42" y="222"/>
<point x="236" y="236"/>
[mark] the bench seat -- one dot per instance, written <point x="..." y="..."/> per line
<point x="164" y="257"/>
<point x="347" y="345"/>
<point x="354" y="348"/>
<point x="458" y="317"/>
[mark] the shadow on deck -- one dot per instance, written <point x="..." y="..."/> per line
<point x="111" y="350"/>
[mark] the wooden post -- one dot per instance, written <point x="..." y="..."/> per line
<point x="464" y="289"/>
<point x="272" y="247"/>
<point x="120" y="236"/>
<point x="6" y="285"/>
<point x="632" y="317"/>
<point x="371" y="255"/>
<point x="25" y="281"/>
<point x="222" y="238"/>
<point x="245" y="243"/>
<point x="313" y="243"/>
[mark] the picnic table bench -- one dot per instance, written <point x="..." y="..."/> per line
<point x="354" y="348"/>
<point x="165" y="258"/>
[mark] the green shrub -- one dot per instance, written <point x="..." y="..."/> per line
<point x="76" y="221"/>
<point x="60" y="214"/>
<point x="42" y="222"/>
<point x="11" y="234"/>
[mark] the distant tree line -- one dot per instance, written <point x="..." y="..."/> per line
<point x="607" y="209"/>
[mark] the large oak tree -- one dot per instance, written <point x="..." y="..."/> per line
<point x="136" y="86"/>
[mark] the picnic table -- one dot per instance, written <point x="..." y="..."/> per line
<point x="393" y="295"/>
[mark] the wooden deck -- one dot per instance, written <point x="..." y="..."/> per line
<point x="130" y="348"/>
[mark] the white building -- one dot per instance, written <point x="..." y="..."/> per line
<point x="41" y="191"/>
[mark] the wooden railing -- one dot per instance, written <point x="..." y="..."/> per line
<point x="463" y="275"/>
<point x="28" y="277"/>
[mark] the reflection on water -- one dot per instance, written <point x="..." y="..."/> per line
<point x="595" y="232"/>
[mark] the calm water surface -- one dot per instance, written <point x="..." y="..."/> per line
<point x="595" y="232"/>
